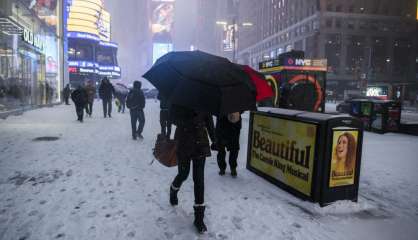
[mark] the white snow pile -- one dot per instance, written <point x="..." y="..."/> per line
<point x="95" y="182"/>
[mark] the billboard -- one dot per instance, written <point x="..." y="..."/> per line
<point x="160" y="49"/>
<point x="228" y="38"/>
<point x="344" y="157"/>
<point x="89" y="17"/>
<point x="284" y="150"/>
<point x="162" y="20"/>
<point x="46" y="10"/>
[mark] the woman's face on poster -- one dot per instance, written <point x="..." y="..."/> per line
<point x="342" y="147"/>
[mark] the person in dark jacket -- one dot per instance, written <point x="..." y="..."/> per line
<point x="227" y="132"/>
<point x="135" y="101"/>
<point x="192" y="146"/>
<point x="165" y="121"/>
<point x="106" y="92"/>
<point x="79" y="97"/>
<point x="66" y="93"/>
<point x="91" y="93"/>
<point x="121" y="96"/>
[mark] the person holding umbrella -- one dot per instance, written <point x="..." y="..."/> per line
<point x="121" y="92"/>
<point x="192" y="146"/>
<point x="198" y="85"/>
<point x="106" y="92"/>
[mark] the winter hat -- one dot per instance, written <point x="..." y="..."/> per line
<point x="137" y="84"/>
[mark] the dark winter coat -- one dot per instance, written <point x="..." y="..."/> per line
<point x="121" y="96"/>
<point x="163" y="102"/>
<point x="79" y="97"/>
<point x="135" y="99"/>
<point x="192" y="131"/>
<point x="227" y="133"/>
<point x="91" y="93"/>
<point x="66" y="92"/>
<point x="106" y="90"/>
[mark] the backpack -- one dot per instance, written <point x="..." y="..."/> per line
<point x="130" y="100"/>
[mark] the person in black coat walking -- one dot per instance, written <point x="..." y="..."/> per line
<point x="106" y="92"/>
<point x="192" y="146"/>
<point x="165" y="121"/>
<point x="80" y="98"/>
<point x="227" y="132"/>
<point x="121" y="96"/>
<point x="66" y="93"/>
<point x="135" y="101"/>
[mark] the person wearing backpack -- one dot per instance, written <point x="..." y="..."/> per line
<point x="135" y="101"/>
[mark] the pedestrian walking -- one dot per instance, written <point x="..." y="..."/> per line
<point x="165" y="121"/>
<point x="121" y="97"/>
<point x="106" y="92"/>
<point x="79" y="97"/>
<point x="227" y="132"/>
<point x="135" y="101"/>
<point x="66" y="93"/>
<point x="192" y="146"/>
<point x="91" y="93"/>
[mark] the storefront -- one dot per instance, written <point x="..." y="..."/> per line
<point x="30" y="54"/>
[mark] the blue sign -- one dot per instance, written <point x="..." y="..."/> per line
<point x="83" y="36"/>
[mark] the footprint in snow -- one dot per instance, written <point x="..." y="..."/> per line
<point x="131" y="234"/>
<point x="92" y="214"/>
<point x="33" y="213"/>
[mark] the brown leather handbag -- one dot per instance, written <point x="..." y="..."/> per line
<point x="165" y="151"/>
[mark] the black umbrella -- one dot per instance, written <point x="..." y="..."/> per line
<point x="203" y="82"/>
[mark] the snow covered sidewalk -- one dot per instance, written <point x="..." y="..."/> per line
<point x="95" y="182"/>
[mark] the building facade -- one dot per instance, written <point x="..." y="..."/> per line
<point x="31" y="54"/>
<point x="365" y="42"/>
<point x="206" y="25"/>
<point x="91" y="54"/>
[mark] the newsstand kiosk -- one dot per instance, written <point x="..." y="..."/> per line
<point x="298" y="83"/>
<point x="314" y="156"/>
<point x="379" y="116"/>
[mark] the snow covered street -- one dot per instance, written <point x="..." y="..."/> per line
<point x="95" y="182"/>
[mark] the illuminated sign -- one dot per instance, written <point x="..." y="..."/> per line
<point x="294" y="64"/>
<point x="344" y="157"/>
<point x="284" y="150"/>
<point x="82" y="64"/>
<point x="228" y="42"/>
<point x="108" y="44"/>
<point x="381" y="92"/>
<point x="33" y="39"/>
<point x="72" y="70"/>
<point x="162" y="20"/>
<point x="83" y="35"/>
<point x="89" y="16"/>
<point x="46" y="10"/>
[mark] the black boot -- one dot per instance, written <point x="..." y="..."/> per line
<point x="199" y="213"/>
<point x="174" y="201"/>
<point x="234" y="172"/>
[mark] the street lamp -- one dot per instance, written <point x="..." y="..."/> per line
<point x="234" y="28"/>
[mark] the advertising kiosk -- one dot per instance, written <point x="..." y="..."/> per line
<point x="378" y="115"/>
<point x="298" y="83"/>
<point x="314" y="156"/>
